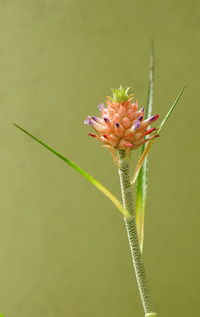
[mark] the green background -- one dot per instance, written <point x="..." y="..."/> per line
<point x="63" y="247"/>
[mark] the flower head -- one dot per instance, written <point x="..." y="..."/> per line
<point x="121" y="124"/>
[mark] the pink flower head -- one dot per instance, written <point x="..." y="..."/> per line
<point x="121" y="124"/>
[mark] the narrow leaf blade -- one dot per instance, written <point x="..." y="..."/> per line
<point x="151" y="142"/>
<point x="140" y="175"/>
<point x="170" y="111"/>
<point x="141" y="187"/>
<point x="86" y="175"/>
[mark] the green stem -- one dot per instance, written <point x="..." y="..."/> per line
<point x="127" y="198"/>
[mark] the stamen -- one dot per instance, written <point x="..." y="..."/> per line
<point x="103" y="139"/>
<point x="88" y="121"/>
<point x="149" y="131"/>
<point x="99" y="127"/>
<point x="117" y="125"/>
<point x="153" y="118"/>
<point x="135" y="126"/>
<point x="93" y="135"/>
<point x="101" y="106"/>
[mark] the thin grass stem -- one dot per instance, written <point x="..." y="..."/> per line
<point x="138" y="264"/>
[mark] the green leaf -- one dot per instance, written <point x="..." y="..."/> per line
<point x="141" y="187"/>
<point x="90" y="178"/>
<point x="141" y="176"/>
<point x="170" y="111"/>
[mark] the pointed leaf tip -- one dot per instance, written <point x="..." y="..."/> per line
<point x="151" y="142"/>
<point x="141" y="169"/>
<point x="86" y="175"/>
<point x="171" y="109"/>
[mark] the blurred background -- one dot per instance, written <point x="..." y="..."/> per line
<point x="64" y="250"/>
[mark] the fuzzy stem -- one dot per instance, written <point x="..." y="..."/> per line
<point x="127" y="198"/>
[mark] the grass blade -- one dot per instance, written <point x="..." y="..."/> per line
<point x="90" y="178"/>
<point x="150" y="143"/>
<point x="170" y="111"/>
<point x="140" y="175"/>
<point x="141" y="187"/>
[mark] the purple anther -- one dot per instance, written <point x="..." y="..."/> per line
<point x="95" y="118"/>
<point x="88" y="121"/>
<point x="151" y="118"/>
<point x="137" y="125"/>
<point x="101" y="106"/>
<point x="154" y="118"/>
<point x="106" y="120"/>
<point x="140" y="118"/>
<point x="142" y="109"/>
<point x="117" y="125"/>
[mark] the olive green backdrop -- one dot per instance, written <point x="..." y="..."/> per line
<point x="63" y="248"/>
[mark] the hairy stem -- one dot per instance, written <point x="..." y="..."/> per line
<point x="138" y="264"/>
